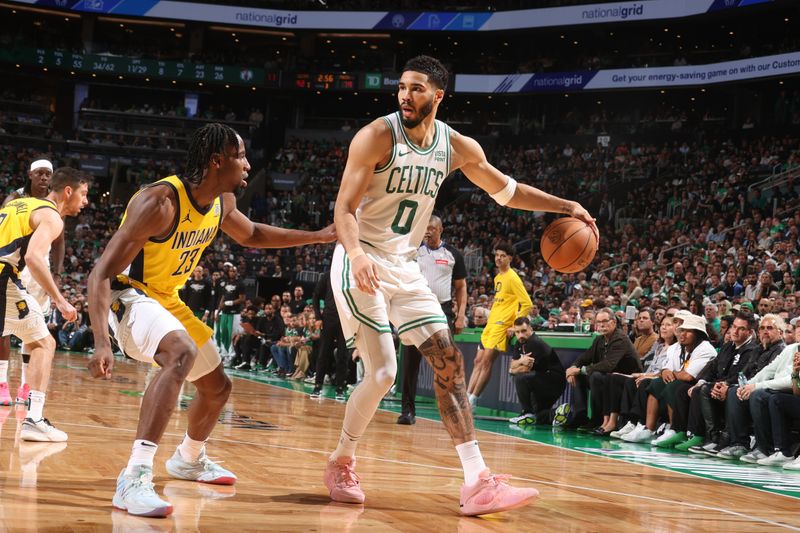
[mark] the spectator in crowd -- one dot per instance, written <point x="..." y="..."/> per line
<point x="611" y="351"/>
<point x="246" y="344"/>
<point x="627" y="395"/>
<point x="538" y="375"/>
<point x="272" y="327"/>
<point x="701" y="413"/>
<point x="283" y="351"/>
<point x="784" y="411"/>
<point x="645" y="336"/>
<point x="747" y="406"/>
<point x="298" y="303"/>
<point x="675" y="378"/>
<point x="333" y="345"/>
<point x="198" y="295"/>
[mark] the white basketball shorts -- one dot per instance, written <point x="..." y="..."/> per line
<point x="403" y="299"/>
<point x="22" y="316"/>
<point x="140" y="323"/>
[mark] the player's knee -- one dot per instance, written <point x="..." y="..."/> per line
<point x="225" y="389"/>
<point x="179" y="358"/>
<point x="49" y="344"/>
<point x="384" y="377"/>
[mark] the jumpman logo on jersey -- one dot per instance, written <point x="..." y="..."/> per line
<point x="186" y="219"/>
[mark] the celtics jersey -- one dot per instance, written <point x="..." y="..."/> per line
<point x="164" y="265"/>
<point x="16" y="230"/>
<point x="398" y="204"/>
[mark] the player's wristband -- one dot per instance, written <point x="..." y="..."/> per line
<point x="229" y="302"/>
<point x="356" y="252"/>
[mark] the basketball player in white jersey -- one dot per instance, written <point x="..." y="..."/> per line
<point x="394" y="170"/>
<point x="38" y="186"/>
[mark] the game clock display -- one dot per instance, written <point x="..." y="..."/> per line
<point x="325" y="81"/>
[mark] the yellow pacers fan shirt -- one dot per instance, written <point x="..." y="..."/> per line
<point x="164" y="265"/>
<point x="16" y="230"/>
<point x="511" y="300"/>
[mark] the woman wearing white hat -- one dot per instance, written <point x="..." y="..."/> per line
<point x="678" y="375"/>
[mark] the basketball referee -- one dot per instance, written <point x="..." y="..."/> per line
<point x="443" y="268"/>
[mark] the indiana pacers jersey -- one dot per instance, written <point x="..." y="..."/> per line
<point x="16" y="230"/>
<point x="398" y="204"/>
<point x="511" y="300"/>
<point x="164" y="265"/>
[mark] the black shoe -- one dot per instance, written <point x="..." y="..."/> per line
<point x="406" y="419"/>
<point x="317" y="392"/>
<point x="340" y="395"/>
<point x="599" y="432"/>
<point x="243" y="366"/>
<point x="587" y="428"/>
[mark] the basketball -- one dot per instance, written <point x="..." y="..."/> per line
<point x="568" y="245"/>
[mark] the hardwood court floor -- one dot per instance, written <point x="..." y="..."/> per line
<point x="277" y="440"/>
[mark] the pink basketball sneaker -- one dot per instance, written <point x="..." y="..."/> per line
<point x="22" y="394"/>
<point x="5" y="397"/>
<point x="342" y="481"/>
<point x="492" y="494"/>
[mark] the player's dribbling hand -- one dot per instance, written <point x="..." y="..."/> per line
<point x="366" y="275"/>
<point x="101" y="363"/>
<point x="327" y="234"/>
<point x="579" y="212"/>
<point x="67" y="310"/>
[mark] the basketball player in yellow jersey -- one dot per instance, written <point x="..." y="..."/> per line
<point x="28" y="227"/>
<point x="395" y="168"/>
<point x="134" y="289"/>
<point x="511" y="301"/>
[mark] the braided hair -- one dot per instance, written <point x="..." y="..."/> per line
<point x="208" y="140"/>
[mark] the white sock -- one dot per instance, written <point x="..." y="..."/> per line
<point x="380" y="367"/>
<point x="23" y="379"/>
<point x="190" y="449"/>
<point x="3" y="371"/>
<point x="473" y="400"/>
<point x="36" y="405"/>
<point x="471" y="461"/>
<point x="142" y="454"/>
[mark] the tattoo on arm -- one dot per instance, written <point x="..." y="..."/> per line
<point x="449" y="384"/>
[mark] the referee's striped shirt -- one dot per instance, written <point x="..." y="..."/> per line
<point x="441" y="266"/>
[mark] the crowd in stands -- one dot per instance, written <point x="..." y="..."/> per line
<point x="680" y="229"/>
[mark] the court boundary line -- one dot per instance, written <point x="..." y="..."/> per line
<point x="532" y="442"/>
<point x="221" y="440"/>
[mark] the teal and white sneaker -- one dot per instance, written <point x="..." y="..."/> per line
<point x="203" y="470"/>
<point x="524" y="419"/>
<point x="136" y="494"/>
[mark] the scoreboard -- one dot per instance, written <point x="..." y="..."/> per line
<point x="325" y="81"/>
<point x="129" y="66"/>
<point x="184" y="71"/>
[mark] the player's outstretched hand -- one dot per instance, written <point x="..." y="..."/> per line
<point x="101" y="363"/>
<point x="579" y="212"/>
<point x="327" y="234"/>
<point x="67" y="310"/>
<point x="366" y="274"/>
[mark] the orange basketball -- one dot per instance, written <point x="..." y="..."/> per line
<point x="569" y="245"/>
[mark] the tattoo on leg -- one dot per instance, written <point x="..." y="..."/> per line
<point x="451" y="390"/>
